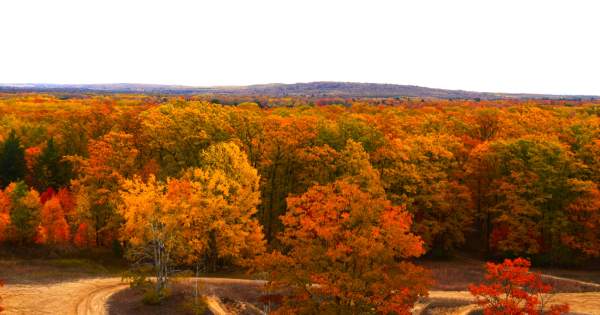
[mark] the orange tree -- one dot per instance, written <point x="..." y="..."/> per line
<point x="5" y="205"/>
<point x="53" y="228"/>
<point x="112" y="158"/>
<point x="514" y="290"/>
<point x="345" y="253"/>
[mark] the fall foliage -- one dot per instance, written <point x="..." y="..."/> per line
<point x="514" y="290"/>
<point x="204" y="217"/>
<point x="346" y="252"/>
<point x="208" y="181"/>
<point x="53" y="227"/>
<point x="472" y="173"/>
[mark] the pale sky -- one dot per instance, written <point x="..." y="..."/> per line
<point x="482" y="45"/>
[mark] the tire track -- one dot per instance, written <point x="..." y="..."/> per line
<point x="95" y="303"/>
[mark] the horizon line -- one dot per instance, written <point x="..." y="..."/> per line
<point x="39" y="85"/>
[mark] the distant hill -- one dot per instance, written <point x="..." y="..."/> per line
<point x="312" y="89"/>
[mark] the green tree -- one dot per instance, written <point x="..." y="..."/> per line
<point x="354" y="165"/>
<point x="12" y="160"/>
<point x="532" y="185"/>
<point x="25" y="212"/>
<point x="419" y="173"/>
<point x="49" y="170"/>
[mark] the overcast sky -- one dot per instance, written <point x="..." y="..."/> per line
<point x="482" y="45"/>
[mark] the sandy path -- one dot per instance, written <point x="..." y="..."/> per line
<point x="81" y="297"/>
<point x="582" y="303"/>
<point x="59" y="298"/>
<point x="95" y="301"/>
<point x="89" y="296"/>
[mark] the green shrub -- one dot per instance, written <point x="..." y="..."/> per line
<point x="138" y="278"/>
<point x="196" y="305"/>
<point x="154" y="297"/>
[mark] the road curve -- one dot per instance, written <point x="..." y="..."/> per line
<point x="94" y="303"/>
<point x="59" y="298"/>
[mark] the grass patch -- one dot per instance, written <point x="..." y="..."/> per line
<point x="445" y="306"/>
<point x="81" y="265"/>
<point x="41" y="265"/>
<point x="50" y="270"/>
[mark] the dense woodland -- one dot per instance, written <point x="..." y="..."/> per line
<point x="344" y="187"/>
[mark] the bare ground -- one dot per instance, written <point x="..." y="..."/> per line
<point x="580" y="303"/>
<point x="223" y="296"/>
<point x="36" y="288"/>
<point x="85" y="296"/>
<point x="90" y="296"/>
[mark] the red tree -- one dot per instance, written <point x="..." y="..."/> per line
<point x="47" y="195"/>
<point x="4" y="214"/>
<point x="514" y="290"/>
<point x="53" y="228"/>
<point x="83" y="235"/>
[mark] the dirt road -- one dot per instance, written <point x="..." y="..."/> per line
<point x="580" y="303"/>
<point x="89" y="296"/>
<point x="95" y="301"/>
<point x="81" y="297"/>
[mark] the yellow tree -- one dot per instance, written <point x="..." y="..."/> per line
<point x="246" y="121"/>
<point x="223" y="196"/>
<point x="355" y="167"/>
<point x="151" y="226"/>
<point x="174" y="133"/>
<point x="202" y="218"/>
<point x="24" y="212"/>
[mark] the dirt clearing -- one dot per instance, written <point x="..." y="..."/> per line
<point x="86" y="296"/>
<point x="90" y="296"/>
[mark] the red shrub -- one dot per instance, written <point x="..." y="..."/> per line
<point x="514" y="290"/>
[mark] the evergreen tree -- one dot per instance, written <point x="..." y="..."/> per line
<point x="49" y="170"/>
<point x="12" y="160"/>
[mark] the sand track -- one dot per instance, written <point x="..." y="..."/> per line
<point x="95" y="301"/>
<point x="85" y="296"/>
<point x="580" y="303"/>
<point x="90" y="296"/>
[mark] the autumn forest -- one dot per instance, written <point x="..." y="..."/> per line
<point x="333" y="202"/>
